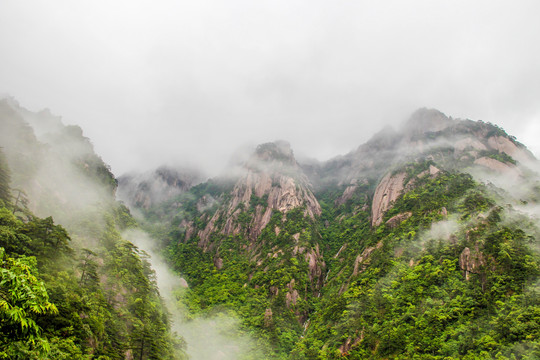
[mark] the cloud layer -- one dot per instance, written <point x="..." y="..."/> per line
<point x="155" y="82"/>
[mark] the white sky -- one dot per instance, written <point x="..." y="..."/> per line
<point x="163" y="81"/>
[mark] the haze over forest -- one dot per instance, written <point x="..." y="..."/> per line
<point x="269" y="180"/>
<point x="155" y="82"/>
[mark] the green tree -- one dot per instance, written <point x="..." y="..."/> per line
<point x="23" y="298"/>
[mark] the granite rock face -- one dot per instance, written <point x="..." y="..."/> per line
<point x="498" y="166"/>
<point x="505" y="145"/>
<point x="272" y="181"/>
<point x="388" y="190"/>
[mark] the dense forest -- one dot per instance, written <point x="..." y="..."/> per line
<point x="420" y="244"/>
<point x="75" y="289"/>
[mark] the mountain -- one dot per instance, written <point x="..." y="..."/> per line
<point x="72" y="287"/>
<point x="144" y="190"/>
<point x="429" y="134"/>
<point x="421" y="243"/>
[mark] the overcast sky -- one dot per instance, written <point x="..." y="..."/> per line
<point x="154" y="82"/>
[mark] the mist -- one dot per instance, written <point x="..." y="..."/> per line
<point x="51" y="166"/>
<point x="166" y="82"/>
<point x="187" y="84"/>
<point x="55" y="183"/>
<point x="217" y="337"/>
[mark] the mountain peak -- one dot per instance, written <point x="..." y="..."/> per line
<point x="426" y="120"/>
<point x="279" y="151"/>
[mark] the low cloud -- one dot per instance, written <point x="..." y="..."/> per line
<point x="191" y="81"/>
<point x="218" y="337"/>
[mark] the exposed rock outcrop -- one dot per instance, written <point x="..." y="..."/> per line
<point x="350" y="343"/>
<point x="426" y="120"/>
<point x="471" y="261"/>
<point x="388" y="190"/>
<point x="394" y="221"/>
<point x="292" y="296"/>
<point x="218" y="262"/>
<point x="498" y="166"/>
<point x="316" y="267"/>
<point x="505" y="145"/>
<point x="469" y="143"/>
<point x="361" y="260"/>
<point x="273" y="181"/>
<point x="347" y="195"/>
<point x="432" y="171"/>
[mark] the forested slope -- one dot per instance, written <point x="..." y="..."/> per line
<point x="421" y="243"/>
<point x="71" y="286"/>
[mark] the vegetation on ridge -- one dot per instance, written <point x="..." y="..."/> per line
<point x="80" y="293"/>
<point x="451" y="272"/>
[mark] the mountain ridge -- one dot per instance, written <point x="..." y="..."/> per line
<point x="420" y="243"/>
<point x="72" y="286"/>
<point x="372" y="212"/>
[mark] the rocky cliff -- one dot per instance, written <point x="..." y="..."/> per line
<point x="394" y="233"/>
<point x="272" y="182"/>
<point x="455" y="142"/>
<point x="268" y="218"/>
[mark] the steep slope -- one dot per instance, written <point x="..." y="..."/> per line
<point x="408" y="247"/>
<point x="445" y="265"/>
<point x="258" y="232"/>
<point x="454" y="142"/>
<point x="58" y="171"/>
<point x="429" y="242"/>
<point x="479" y="148"/>
<point x="93" y="294"/>
<point x="273" y="183"/>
